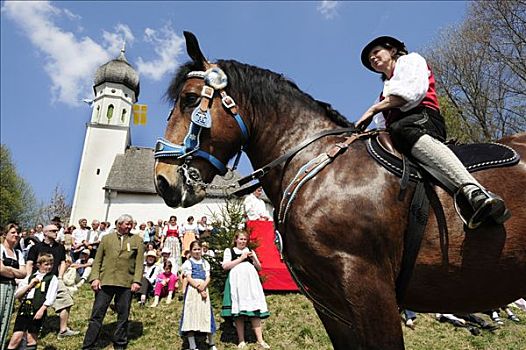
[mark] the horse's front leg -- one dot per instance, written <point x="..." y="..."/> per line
<point x="370" y="308"/>
<point x="341" y="336"/>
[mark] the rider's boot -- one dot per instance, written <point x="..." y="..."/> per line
<point x="484" y="204"/>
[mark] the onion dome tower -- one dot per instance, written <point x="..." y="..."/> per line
<point x="116" y="89"/>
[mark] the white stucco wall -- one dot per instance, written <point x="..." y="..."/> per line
<point x="144" y="207"/>
<point x="101" y="145"/>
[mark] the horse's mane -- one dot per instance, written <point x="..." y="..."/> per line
<point x="261" y="87"/>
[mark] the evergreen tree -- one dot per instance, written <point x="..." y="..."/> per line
<point x="226" y="222"/>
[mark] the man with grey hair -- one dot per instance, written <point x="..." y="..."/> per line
<point x="116" y="274"/>
<point x="93" y="237"/>
<point x="80" y="236"/>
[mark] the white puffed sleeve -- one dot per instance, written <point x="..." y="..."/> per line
<point x="227" y="256"/>
<point x="186" y="269"/>
<point x="410" y="80"/>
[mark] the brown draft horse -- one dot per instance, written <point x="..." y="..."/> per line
<point x="345" y="229"/>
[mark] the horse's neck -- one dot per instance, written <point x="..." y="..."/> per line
<point x="276" y="134"/>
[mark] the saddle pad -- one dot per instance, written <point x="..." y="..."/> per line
<point x="475" y="157"/>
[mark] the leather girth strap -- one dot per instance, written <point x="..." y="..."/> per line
<point x="418" y="215"/>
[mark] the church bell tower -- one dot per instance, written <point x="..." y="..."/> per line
<point x="116" y="89"/>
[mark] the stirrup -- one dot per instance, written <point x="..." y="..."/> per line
<point x="493" y="207"/>
<point x="466" y="221"/>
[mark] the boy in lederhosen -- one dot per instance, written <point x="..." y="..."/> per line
<point x="36" y="293"/>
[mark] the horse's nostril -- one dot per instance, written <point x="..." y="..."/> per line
<point x="162" y="184"/>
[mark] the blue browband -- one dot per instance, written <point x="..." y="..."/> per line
<point x="215" y="79"/>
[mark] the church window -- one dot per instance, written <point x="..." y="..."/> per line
<point x="98" y="171"/>
<point x="109" y="114"/>
<point x="123" y="115"/>
<point x="98" y="114"/>
<point x="112" y="91"/>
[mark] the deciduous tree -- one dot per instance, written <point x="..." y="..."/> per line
<point x="17" y="201"/>
<point x="480" y="68"/>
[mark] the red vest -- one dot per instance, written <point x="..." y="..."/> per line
<point x="430" y="101"/>
<point x="172" y="232"/>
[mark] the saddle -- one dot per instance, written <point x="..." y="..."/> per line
<point x="475" y="157"/>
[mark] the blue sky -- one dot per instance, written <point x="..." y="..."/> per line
<point x="51" y="50"/>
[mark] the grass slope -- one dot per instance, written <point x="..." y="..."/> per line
<point x="293" y="324"/>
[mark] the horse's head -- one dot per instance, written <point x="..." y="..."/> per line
<point x="204" y="131"/>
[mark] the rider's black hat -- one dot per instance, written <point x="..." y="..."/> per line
<point x="382" y="41"/>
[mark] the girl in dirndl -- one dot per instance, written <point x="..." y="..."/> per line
<point x="189" y="232"/>
<point x="197" y="311"/>
<point x="170" y="240"/>
<point x="243" y="296"/>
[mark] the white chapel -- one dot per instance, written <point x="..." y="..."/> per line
<point x="115" y="177"/>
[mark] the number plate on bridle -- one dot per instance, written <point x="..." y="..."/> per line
<point x="202" y="118"/>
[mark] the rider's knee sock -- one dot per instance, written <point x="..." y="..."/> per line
<point x="437" y="155"/>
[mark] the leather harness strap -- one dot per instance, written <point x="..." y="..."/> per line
<point x="312" y="168"/>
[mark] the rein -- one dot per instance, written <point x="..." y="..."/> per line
<point x="259" y="173"/>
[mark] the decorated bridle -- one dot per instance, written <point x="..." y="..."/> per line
<point x="215" y="81"/>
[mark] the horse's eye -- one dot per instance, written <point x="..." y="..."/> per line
<point x="190" y="100"/>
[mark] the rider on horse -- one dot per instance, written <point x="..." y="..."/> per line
<point x="410" y="107"/>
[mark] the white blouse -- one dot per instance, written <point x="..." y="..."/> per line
<point x="187" y="266"/>
<point x="52" y="290"/>
<point x="410" y="80"/>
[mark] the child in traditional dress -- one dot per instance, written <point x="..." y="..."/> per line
<point x="243" y="296"/>
<point x="37" y="292"/>
<point x="197" y="311"/>
<point x="165" y="284"/>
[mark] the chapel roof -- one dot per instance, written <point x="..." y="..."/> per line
<point x="133" y="172"/>
<point x="119" y="71"/>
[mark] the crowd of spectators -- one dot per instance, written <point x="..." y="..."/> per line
<point x="46" y="265"/>
<point x="172" y="261"/>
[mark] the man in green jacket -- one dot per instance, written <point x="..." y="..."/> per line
<point x="116" y="273"/>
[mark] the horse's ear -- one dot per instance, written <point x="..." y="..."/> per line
<point x="193" y="49"/>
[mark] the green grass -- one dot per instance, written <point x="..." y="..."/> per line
<point x="293" y="324"/>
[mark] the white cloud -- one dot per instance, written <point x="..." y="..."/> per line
<point x="167" y="45"/>
<point x="70" y="60"/>
<point x="114" y="40"/>
<point x="71" y="15"/>
<point x="328" y="8"/>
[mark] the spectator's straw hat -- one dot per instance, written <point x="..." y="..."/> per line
<point x="151" y="253"/>
<point x="166" y="250"/>
<point x="86" y="251"/>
